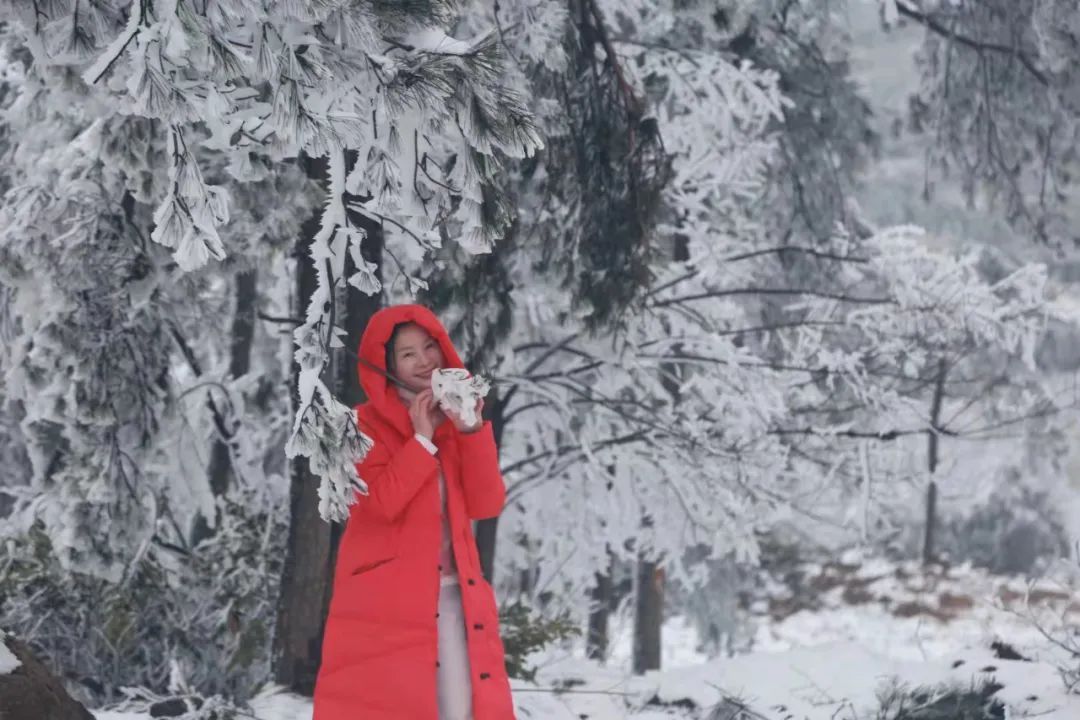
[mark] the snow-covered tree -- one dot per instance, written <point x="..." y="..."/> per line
<point x="154" y="118"/>
<point x="694" y="335"/>
<point x="999" y="103"/>
<point x="762" y="357"/>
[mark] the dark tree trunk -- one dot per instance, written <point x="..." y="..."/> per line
<point x="359" y="308"/>
<point x="305" y="581"/>
<point x="932" y="463"/>
<point x="649" y="616"/>
<point x="527" y="576"/>
<point x="485" y="545"/>
<point x="649" y="608"/>
<point x="525" y="582"/>
<point x="307" y="576"/>
<point x="603" y="598"/>
<point x="486" y="530"/>
<point x="220" y="468"/>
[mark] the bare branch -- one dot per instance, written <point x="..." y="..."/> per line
<point x="773" y="291"/>
<point x="937" y="27"/>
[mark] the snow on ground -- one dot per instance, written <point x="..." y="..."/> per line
<point x="822" y="651"/>
<point x="8" y="661"/>
<point x="824" y="682"/>
<point x="843" y="679"/>
<point x="273" y="703"/>
<point x="901" y="611"/>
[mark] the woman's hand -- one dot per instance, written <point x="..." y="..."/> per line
<point x="460" y="424"/>
<point x="425" y="415"/>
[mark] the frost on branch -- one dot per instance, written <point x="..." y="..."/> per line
<point x="188" y="217"/>
<point x="235" y="90"/>
<point x="326" y="433"/>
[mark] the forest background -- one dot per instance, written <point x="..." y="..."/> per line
<point x="756" y="282"/>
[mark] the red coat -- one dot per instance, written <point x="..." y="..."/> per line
<point x="380" y="643"/>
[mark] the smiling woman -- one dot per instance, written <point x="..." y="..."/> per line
<point x="413" y="628"/>
<point x="412" y="354"/>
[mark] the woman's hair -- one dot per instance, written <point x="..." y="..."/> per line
<point x="390" y="345"/>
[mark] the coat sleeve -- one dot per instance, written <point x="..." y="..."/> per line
<point x="393" y="480"/>
<point x="481" y="481"/>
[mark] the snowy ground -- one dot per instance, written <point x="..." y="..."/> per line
<point x="871" y="622"/>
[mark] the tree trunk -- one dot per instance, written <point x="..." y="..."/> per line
<point x="359" y="308"/>
<point x="311" y="553"/>
<point x="305" y="581"/>
<point x="486" y="530"/>
<point x="596" y="642"/>
<point x="649" y="616"/>
<point x="527" y="575"/>
<point x="485" y="545"/>
<point x="220" y="468"/>
<point x="932" y="463"/>
<point x="649" y="609"/>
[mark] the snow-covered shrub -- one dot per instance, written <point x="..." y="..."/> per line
<point x="1070" y="674"/>
<point x="1067" y="638"/>
<point x="944" y="702"/>
<point x="1012" y="532"/>
<point x="203" y="619"/>
<point x="182" y="705"/>
<point x="713" y="607"/>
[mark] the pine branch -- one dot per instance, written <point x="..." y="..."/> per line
<point x="630" y="99"/>
<point x="138" y="11"/>
<point x="781" y="249"/>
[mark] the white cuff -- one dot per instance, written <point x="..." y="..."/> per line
<point x="428" y="445"/>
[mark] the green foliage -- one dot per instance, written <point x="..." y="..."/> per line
<point x="524" y="632"/>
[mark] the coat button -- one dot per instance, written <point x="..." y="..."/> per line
<point x="484" y="676"/>
<point x="478" y="626"/>
<point x="440" y="568"/>
<point x="436" y="614"/>
<point x="436" y="663"/>
<point x="471" y="581"/>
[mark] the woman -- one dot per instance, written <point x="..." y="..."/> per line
<point x="413" y="628"/>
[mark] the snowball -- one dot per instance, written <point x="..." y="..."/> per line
<point x="457" y="391"/>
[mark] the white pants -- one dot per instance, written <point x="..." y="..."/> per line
<point x="455" y="687"/>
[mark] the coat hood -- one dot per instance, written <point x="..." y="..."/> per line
<point x="382" y="394"/>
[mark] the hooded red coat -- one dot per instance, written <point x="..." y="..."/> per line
<point x="381" y="640"/>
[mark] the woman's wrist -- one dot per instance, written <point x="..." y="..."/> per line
<point x="426" y="442"/>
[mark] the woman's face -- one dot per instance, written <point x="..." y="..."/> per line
<point x="416" y="355"/>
